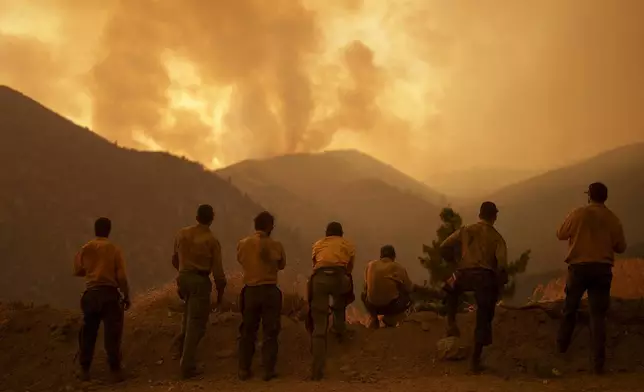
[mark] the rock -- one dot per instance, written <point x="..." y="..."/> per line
<point x="425" y="326"/>
<point x="224" y="318"/>
<point x="450" y="349"/>
<point x="345" y="369"/>
<point x="420" y="317"/>
<point x="159" y="362"/>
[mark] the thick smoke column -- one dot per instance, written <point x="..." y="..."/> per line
<point x="530" y="83"/>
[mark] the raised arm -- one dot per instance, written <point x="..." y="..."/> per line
<point x="565" y="231"/>
<point x="447" y="247"/>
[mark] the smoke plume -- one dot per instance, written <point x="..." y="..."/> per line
<point x="426" y="86"/>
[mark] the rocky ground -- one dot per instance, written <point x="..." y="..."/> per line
<point x="38" y="344"/>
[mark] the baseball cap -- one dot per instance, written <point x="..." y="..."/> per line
<point x="597" y="191"/>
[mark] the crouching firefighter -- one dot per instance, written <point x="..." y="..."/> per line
<point x="101" y="263"/>
<point x="333" y="260"/>
<point x="482" y="270"/>
<point x="197" y="255"/>
<point x="387" y="289"/>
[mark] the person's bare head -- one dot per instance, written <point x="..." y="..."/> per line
<point x="488" y="212"/>
<point x="265" y="222"/>
<point x="102" y="227"/>
<point x="205" y="214"/>
<point x="388" y="252"/>
<point x="334" y="229"/>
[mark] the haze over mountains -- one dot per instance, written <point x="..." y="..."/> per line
<point x="476" y="183"/>
<point x="532" y="210"/>
<point x="57" y="178"/>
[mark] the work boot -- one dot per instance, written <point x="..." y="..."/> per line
<point x="269" y="375"/>
<point x="116" y="376"/>
<point x="475" y="363"/>
<point x="83" y="375"/>
<point x="453" y="331"/>
<point x="244" y="374"/>
<point x="476" y="367"/>
<point x="317" y="375"/>
<point x="598" y="366"/>
<point x="342" y="336"/>
<point x="192" y="373"/>
<point x="177" y="347"/>
<point x="374" y="323"/>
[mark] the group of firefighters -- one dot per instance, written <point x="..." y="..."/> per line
<point x="593" y="232"/>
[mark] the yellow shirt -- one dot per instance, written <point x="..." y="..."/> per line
<point x="481" y="246"/>
<point x="594" y="234"/>
<point x="384" y="279"/>
<point x="197" y="250"/>
<point x="333" y="251"/>
<point x="101" y="263"/>
<point x="261" y="257"/>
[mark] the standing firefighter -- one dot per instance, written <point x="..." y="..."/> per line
<point x="594" y="234"/>
<point x="333" y="259"/>
<point x="387" y="289"/>
<point x="101" y="263"/>
<point x="481" y="269"/>
<point x="261" y="257"/>
<point x="197" y="254"/>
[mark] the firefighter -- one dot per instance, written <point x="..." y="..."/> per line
<point x="333" y="260"/>
<point x="197" y="255"/>
<point x="481" y="269"/>
<point x="107" y="295"/>
<point x="594" y="234"/>
<point x="261" y="258"/>
<point x="387" y="289"/>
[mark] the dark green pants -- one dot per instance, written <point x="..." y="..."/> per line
<point x="334" y="284"/>
<point x="195" y="289"/>
<point x="260" y="304"/>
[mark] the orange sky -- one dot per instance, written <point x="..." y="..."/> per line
<point x="427" y="86"/>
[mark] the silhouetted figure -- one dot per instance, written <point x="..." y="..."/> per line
<point x="101" y="263"/>
<point x="333" y="260"/>
<point x="481" y="269"/>
<point x="594" y="234"/>
<point x="261" y="257"/>
<point x="197" y="255"/>
<point x="387" y="288"/>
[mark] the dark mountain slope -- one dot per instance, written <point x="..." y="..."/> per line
<point x="56" y="178"/>
<point x="376" y="203"/>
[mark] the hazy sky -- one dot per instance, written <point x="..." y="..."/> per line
<point x="425" y="85"/>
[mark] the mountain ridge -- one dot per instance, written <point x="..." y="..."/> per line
<point x="58" y="177"/>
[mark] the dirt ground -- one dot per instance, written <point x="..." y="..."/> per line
<point x="38" y="344"/>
